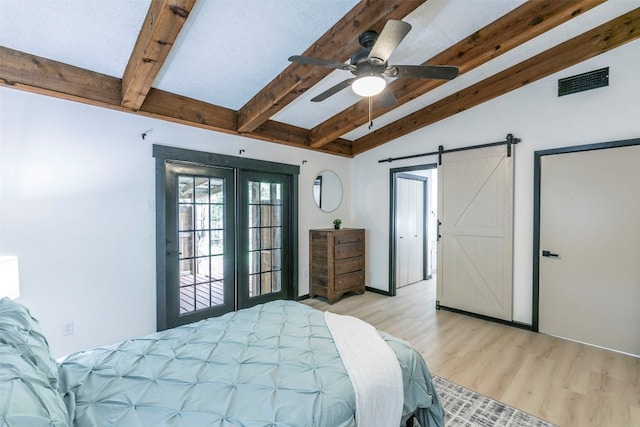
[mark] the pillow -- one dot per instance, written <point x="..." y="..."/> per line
<point x="22" y="332"/>
<point x="28" y="398"/>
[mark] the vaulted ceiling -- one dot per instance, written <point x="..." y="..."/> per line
<point x="222" y="64"/>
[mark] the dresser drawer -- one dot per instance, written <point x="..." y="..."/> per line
<point x="349" y="265"/>
<point x="348" y="250"/>
<point x="349" y="281"/>
<point x="348" y="237"/>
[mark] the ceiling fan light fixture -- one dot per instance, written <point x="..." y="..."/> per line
<point x="369" y="85"/>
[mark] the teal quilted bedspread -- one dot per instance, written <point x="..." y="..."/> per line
<point x="271" y="365"/>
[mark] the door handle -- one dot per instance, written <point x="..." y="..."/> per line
<point x="550" y="254"/>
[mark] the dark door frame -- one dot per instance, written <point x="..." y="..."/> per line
<point x="393" y="174"/>
<point x="164" y="155"/>
<point x="537" y="177"/>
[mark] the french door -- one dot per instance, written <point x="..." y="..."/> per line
<point x="200" y="242"/>
<point x="225" y="234"/>
<point x="262" y="241"/>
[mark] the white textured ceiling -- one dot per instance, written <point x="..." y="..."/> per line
<point x="98" y="35"/>
<point x="230" y="49"/>
<point x="436" y="25"/>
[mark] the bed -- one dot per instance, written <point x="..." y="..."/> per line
<point x="274" y="364"/>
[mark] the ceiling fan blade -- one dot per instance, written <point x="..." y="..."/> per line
<point x="386" y="98"/>
<point x="445" y="72"/>
<point x="321" y="62"/>
<point x="333" y="90"/>
<point x="388" y="40"/>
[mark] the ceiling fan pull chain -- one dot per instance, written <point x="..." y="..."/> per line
<point x="370" y="119"/>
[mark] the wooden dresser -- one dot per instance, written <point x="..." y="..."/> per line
<point x="336" y="262"/>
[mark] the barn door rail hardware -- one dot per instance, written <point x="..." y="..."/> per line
<point x="509" y="141"/>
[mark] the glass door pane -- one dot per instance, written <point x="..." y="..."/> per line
<point x="265" y="240"/>
<point x="265" y="211"/>
<point x="201" y="200"/>
<point x="200" y="264"/>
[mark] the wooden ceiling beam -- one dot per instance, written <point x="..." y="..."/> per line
<point x="295" y="136"/>
<point x="338" y="44"/>
<point x="40" y="75"/>
<point x="160" y="29"/>
<point x="47" y="77"/>
<point x="603" y="38"/>
<point x="509" y="31"/>
<point x="188" y="111"/>
<point x="43" y="76"/>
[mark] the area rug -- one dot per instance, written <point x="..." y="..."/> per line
<point x="466" y="408"/>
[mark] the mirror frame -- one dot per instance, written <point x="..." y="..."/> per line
<point x="327" y="190"/>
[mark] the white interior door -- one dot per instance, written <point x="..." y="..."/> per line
<point x="409" y="231"/>
<point x="590" y="225"/>
<point x="415" y="233"/>
<point x="402" y="246"/>
<point x="475" y="250"/>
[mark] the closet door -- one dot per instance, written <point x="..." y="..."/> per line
<point x="410" y="216"/>
<point x="402" y="229"/>
<point x="415" y="235"/>
<point x="475" y="208"/>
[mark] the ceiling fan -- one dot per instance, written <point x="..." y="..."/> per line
<point x="369" y="65"/>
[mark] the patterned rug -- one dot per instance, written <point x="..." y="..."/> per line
<point x="466" y="408"/>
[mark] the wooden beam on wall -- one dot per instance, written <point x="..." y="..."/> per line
<point x="43" y="76"/>
<point x="40" y="75"/>
<point x="603" y="38"/>
<point x="338" y="44"/>
<point x="160" y="29"/>
<point x="507" y="32"/>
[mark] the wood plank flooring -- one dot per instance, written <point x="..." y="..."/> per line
<point x="208" y="292"/>
<point x="566" y="383"/>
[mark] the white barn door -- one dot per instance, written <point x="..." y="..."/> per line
<point x="590" y="247"/>
<point x="475" y="249"/>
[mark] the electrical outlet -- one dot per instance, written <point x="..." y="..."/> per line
<point x="67" y="328"/>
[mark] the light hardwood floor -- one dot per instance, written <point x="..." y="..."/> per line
<point x="566" y="383"/>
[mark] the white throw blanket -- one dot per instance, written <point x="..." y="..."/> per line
<point x="373" y="369"/>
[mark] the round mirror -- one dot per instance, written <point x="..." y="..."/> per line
<point x="327" y="191"/>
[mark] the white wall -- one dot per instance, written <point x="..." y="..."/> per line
<point x="533" y="113"/>
<point x="76" y="181"/>
<point x="76" y="205"/>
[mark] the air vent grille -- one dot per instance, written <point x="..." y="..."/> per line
<point x="582" y="82"/>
